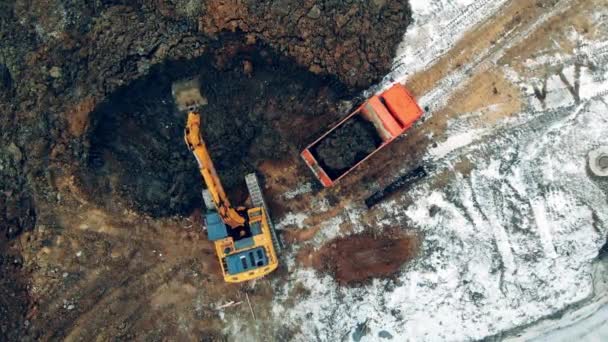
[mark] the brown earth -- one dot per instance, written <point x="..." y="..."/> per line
<point x="90" y="150"/>
<point x="357" y="258"/>
<point x="326" y="36"/>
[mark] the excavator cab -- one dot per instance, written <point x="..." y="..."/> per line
<point x="245" y="239"/>
<point x="245" y="253"/>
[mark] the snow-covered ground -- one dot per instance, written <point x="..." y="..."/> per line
<point x="438" y="24"/>
<point x="507" y="244"/>
<point x="588" y="322"/>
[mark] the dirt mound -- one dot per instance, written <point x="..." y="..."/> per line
<point x="357" y="258"/>
<point x="347" y="145"/>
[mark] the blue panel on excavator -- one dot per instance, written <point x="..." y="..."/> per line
<point x="247" y="260"/>
<point x="256" y="228"/>
<point x="243" y="243"/>
<point x="216" y="229"/>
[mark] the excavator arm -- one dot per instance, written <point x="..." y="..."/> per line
<point x="195" y="143"/>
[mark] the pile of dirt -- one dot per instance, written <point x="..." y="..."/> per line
<point x="357" y="258"/>
<point x="346" y="146"/>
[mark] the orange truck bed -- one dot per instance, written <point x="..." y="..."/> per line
<point x="391" y="113"/>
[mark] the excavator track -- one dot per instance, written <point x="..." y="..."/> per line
<point x="257" y="199"/>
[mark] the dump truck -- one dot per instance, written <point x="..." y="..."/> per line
<point x="372" y="126"/>
<point x="244" y="237"/>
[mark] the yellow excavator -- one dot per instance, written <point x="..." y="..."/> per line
<point x="245" y="239"/>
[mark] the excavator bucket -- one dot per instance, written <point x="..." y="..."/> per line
<point x="187" y="95"/>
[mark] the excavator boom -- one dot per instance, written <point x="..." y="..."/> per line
<point x="193" y="139"/>
<point x="245" y="241"/>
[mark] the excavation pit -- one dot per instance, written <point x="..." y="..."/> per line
<point x="261" y="106"/>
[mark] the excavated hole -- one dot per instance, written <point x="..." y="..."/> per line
<point x="261" y="106"/>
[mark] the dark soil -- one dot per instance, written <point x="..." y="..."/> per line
<point x="13" y="295"/>
<point x="347" y="145"/>
<point x="354" y="259"/>
<point x="85" y="111"/>
<point x="136" y="137"/>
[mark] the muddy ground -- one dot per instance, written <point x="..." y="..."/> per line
<point x="91" y="155"/>
<point x="361" y="257"/>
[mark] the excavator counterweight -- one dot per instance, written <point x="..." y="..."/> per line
<point x="245" y="241"/>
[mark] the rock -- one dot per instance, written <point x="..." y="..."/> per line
<point x="247" y="67"/>
<point x="55" y="72"/>
<point x="143" y="65"/>
<point x="250" y="39"/>
<point x="281" y="7"/>
<point x="379" y="3"/>
<point x="360" y="331"/>
<point x="15" y="152"/>
<point x="315" y="69"/>
<point x="347" y="145"/>
<point x="314" y="13"/>
<point x="155" y="191"/>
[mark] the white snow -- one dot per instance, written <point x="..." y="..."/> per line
<point x="303" y="189"/>
<point x="292" y="219"/>
<point x="544" y="228"/>
<point x="455" y="142"/>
